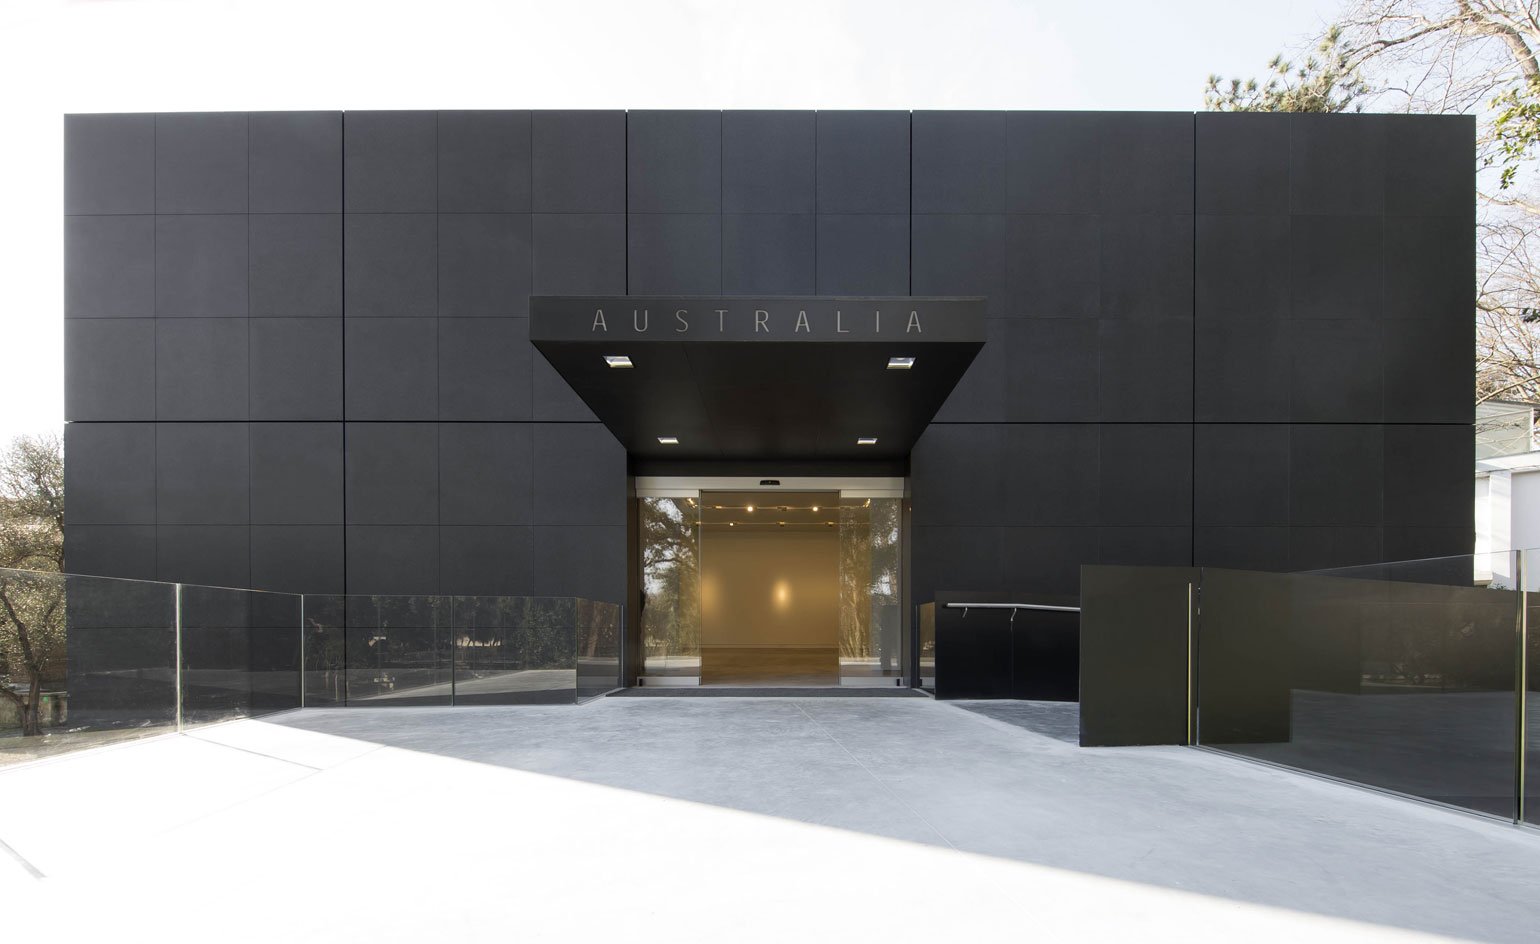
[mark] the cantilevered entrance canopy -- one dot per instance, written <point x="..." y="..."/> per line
<point x="761" y="378"/>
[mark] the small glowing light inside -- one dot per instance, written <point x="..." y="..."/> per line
<point x="900" y="363"/>
<point x="617" y="360"/>
<point x="669" y="440"/>
<point x="749" y="509"/>
<point x="815" y="507"/>
<point x="782" y="594"/>
<point x="732" y="524"/>
<point x="867" y="441"/>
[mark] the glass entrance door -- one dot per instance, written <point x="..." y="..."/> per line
<point x="772" y="587"/>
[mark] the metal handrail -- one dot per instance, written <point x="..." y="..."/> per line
<point x="1012" y="606"/>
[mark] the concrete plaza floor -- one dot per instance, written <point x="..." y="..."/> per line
<point x="729" y="819"/>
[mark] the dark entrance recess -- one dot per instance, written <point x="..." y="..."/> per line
<point x="985" y="652"/>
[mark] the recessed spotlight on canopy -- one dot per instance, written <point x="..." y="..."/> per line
<point x="900" y="363"/>
<point x="668" y="440"/>
<point x="617" y="360"/>
<point x="867" y="441"/>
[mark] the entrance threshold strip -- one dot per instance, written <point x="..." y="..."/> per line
<point x="744" y="691"/>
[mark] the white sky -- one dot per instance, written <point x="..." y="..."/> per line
<point x="61" y="56"/>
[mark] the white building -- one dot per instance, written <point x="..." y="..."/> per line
<point x="1507" y="485"/>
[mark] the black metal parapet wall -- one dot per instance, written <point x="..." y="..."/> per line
<point x="1134" y="649"/>
<point x="1413" y="677"/>
<point x="1003" y="645"/>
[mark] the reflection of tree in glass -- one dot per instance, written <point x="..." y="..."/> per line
<point x="1442" y="638"/>
<point x="670" y="576"/>
<point x="507" y="634"/>
<point x="325" y="649"/>
<point x="401" y="642"/>
<point x="598" y="627"/>
<point x="869" y="579"/>
<point x="545" y="626"/>
<point x="396" y="642"/>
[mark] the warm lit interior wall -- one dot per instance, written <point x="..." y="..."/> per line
<point x="770" y="587"/>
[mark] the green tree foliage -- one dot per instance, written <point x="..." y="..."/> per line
<point x="1515" y="130"/>
<point x="31" y="605"/>
<point x="1326" y="81"/>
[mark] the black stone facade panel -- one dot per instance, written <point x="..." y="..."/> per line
<point x="1288" y="298"/>
<point x="297" y="346"/>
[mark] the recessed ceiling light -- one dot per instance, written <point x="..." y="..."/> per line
<point x="867" y="441"/>
<point x="617" y="360"/>
<point x="900" y="363"/>
<point x="669" y="440"/>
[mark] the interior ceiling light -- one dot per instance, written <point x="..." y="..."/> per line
<point x="867" y="441"/>
<point x="900" y="363"/>
<point x="617" y="360"/>
<point x="669" y="440"/>
<point x="749" y="508"/>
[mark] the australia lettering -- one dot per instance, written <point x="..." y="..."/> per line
<point x="763" y="321"/>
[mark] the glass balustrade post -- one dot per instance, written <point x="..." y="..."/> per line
<point x="1521" y="684"/>
<point x="303" y="682"/>
<point x="1192" y="663"/>
<point x="176" y="669"/>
